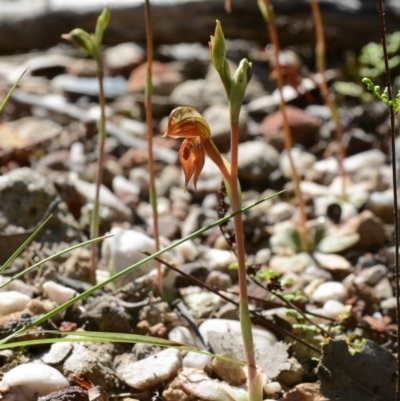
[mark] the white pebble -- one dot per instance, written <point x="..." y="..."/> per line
<point x="57" y="292"/>
<point x="123" y="187"/>
<point x="125" y="248"/>
<point x="188" y="250"/>
<point x="272" y="387"/>
<point x="16" y="285"/>
<point x="149" y="372"/>
<point x="332" y="309"/>
<point x="181" y="334"/>
<point x="12" y="301"/>
<point x="32" y="380"/>
<point x="262" y="337"/>
<point x="302" y="161"/>
<point x="219" y="259"/>
<point x="196" y="361"/>
<point x="329" y="290"/>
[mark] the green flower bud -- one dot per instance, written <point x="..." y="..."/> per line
<point x="238" y="89"/>
<point x="80" y="38"/>
<point x="102" y="23"/>
<point x="217" y="48"/>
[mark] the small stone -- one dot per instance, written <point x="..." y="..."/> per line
<point x="332" y="309"/>
<point x="381" y="204"/>
<point x="123" y="58"/>
<point x="150" y="372"/>
<point x="165" y="78"/>
<point x="124" y="249"/>
<point x="95" y="363"/>
<point x="280" y="211"/>
<point x="389" y="304"/>
<point x="16" y="285"/>
<point x="357" y="140"/>
<point x="57" y="292"/>
<point x="125" y="190"/>
<point x="181" y="334"/>
<point x="12" y="301"/>
<point x="369" y="228"/>
<point x="218" y="119"/>
<point x="383" y="290"/>
<point x="332" y="262"/>
<point x="196" y="361"/>
<point x="219" y="259"/>
<point x="31" y="380"/>
<point x="292" y="376"/>
<point x="257" y="160"/>
<point x="87" y="191"/>
<point x="329" y="290"/>
<point x="188" y="250"/>
<point x="230" y="372"/>
<point x="219" y="280"/>
<point x="201" y="303"/>
<point x="372" y="158"/>
<point x="77" y="157"/>
<point x="304" y="126"/>
<point x="371" y="275"/>
<point x="302" y="161"/>
<point x="113" y="86"/>
<point x="338" y="242"/>
<point x="262" y="256"/>
<point x="217" y="331"/>
<point x="198" y="384"/>
<point x="106" y="314"/>
<point x="198" y="94"/>
<point x="58" y="352"/>
<point x="272" y="388"/>
<point x="294" y="264"/>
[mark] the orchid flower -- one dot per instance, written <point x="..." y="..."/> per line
<point x="186" y="122"/>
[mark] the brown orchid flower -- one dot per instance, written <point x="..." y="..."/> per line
<point x="186" y="122"/>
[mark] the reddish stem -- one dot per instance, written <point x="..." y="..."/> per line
<point x="323" y="86"/>
<point x="149" y="124"/>
<point x="288" y="134"/>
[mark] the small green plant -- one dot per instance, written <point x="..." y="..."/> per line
<point x="92" y="43"/>
<point x="371" y="57"/>
<point x="187" y="123"/>
<point x="376" y="91"/>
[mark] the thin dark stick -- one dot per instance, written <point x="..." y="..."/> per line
<point x="396" y="210"/>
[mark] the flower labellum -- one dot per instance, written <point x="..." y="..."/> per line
<point x="192" y="158"/>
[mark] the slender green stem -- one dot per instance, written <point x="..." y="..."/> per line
<point x="327" y="96"/>
<point x="245" y="320"/>
<point x="149" y="123"/>
<point x="95" y="222"/>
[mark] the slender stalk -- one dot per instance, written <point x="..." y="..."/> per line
<point x="320" y="51"/>
<point x="149" y="123"/>
<point x="394" y="173"/>
<point x="95" y="221"/>
<point x="288" y="135"/>
<point x="244" y="312"/>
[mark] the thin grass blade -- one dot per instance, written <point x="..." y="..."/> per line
<point x="129" y="269"/>
<point x="11" y="91"/>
